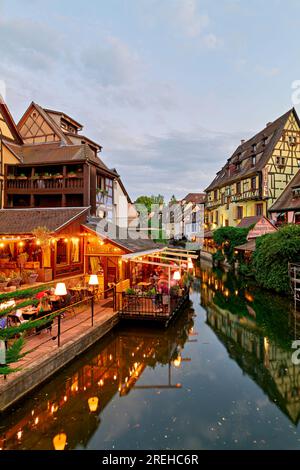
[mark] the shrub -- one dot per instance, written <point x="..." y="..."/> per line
<point x="272" y="255"/>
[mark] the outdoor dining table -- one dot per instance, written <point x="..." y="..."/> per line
<point x="81" y="291"/>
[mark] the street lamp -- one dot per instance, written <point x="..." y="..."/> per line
<point x="93" y="282"/>
<point x="60" y="291"/>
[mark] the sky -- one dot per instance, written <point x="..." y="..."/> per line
<point x="167" y="87"/>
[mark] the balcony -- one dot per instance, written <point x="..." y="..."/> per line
<point x="44" y="184"/>
<point x="247" y="195"/>
<point x="214" y="203"/>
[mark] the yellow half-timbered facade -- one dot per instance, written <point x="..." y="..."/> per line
<point x="256" y="174"/>
<point x="8" y="134"/>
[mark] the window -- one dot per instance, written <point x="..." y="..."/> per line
<point x="217" y="218"/>
<point x="259" y="209"/>
<point x="280" y="161"/>
<point x="292" y="140"/>
<point x="253" y="160"/>
<point x="253" y="182"/>
<point x="226" y="223"/>
<point x="254" y="147"/>
<point x="223" y="198"/>
<point x="62" y="252"/>
<point x="238" y="188"/>
<point x="215" y="195"/>
<point x="298" y="162"/>
<point x="240" y="212"/>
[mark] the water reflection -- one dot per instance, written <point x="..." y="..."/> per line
<point x="67" y="411"/>
<point x="181" y="388"/>
<point x="257" y="329"/>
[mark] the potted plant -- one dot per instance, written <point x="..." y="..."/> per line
<point x="3" y="281"/>
<point x="15" y="279"/>
<point x="22" y="176"/>
<point x="72" y="174"/>
<point x="31" y="276"/>
<point x="11" y="177"/>
<point x="47" y="176"/>
<point x="58" y="176"/>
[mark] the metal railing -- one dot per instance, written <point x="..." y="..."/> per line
<point x="155" y="306"/>
<point x="61" y="321"/>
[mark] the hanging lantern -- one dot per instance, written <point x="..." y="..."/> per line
<point x="177" y="276"/>
<point x="93" y="404"/>
<point x="59" y="441"/>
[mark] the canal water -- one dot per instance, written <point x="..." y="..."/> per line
<point x="220" y="377"/>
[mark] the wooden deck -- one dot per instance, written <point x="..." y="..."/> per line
<point x="45" y="357"/>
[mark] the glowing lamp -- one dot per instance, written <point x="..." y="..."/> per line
<point x="190" y="264"/>
<point x="177" y="361"/>
<point x="176" y="276"/>
<point x="93" y="404"/>
<point x="59" y="441"/>
<point x="93" y="281"/>
<point x="61" y="289"/>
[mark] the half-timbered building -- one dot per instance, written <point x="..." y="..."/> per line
<point x="256" y="174"/>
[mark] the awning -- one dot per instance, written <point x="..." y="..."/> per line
<point x="249" y="246"/>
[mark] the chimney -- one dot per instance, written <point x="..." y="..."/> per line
<point x="243" y="141"/>
<point x="268" y="124"/>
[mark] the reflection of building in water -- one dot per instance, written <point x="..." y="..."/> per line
<point x="269" y="365"/>
<point x="68" y="409"/>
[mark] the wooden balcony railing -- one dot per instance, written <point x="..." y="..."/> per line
<point x="42" y="184"/>
<point x="251" y="194"/>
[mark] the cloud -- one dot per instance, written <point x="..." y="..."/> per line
<point x="267" y="71"/>
<point x="176" y="163"/>
<point x="189" y="19"/>
<point x="110" y="62"/>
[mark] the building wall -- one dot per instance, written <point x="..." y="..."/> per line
<point x="283" y="164"/>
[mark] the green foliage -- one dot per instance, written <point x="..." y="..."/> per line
<point x="272" y="255"/>
<point x="245" y="269"/>
<point x="130" y="291"/>
<point x="227" y="238"/>
<point x="149" y="201"/>
<point x="13" y="355"/>
<point x="218" y="257"/>
<point x="22" y="294"/>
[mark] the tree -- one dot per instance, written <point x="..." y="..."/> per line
<point x="227" y="238"/>
<point x="271" y="257"/>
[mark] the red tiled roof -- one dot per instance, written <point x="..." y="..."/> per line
<point x="197" y="198"/>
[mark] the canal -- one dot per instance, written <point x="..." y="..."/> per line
<point x="220" y="377"/>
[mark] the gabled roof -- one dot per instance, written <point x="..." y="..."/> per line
<point x="64" y="116"/>
<point x="286" y="200"/>
<point x="264" y="142"/>
<point x="56" y="129"/>
<point x="24" y="221"/>
<point x="246" y="222"/>
<point x="10" y="121"/>
<point x="197" y="198"/>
